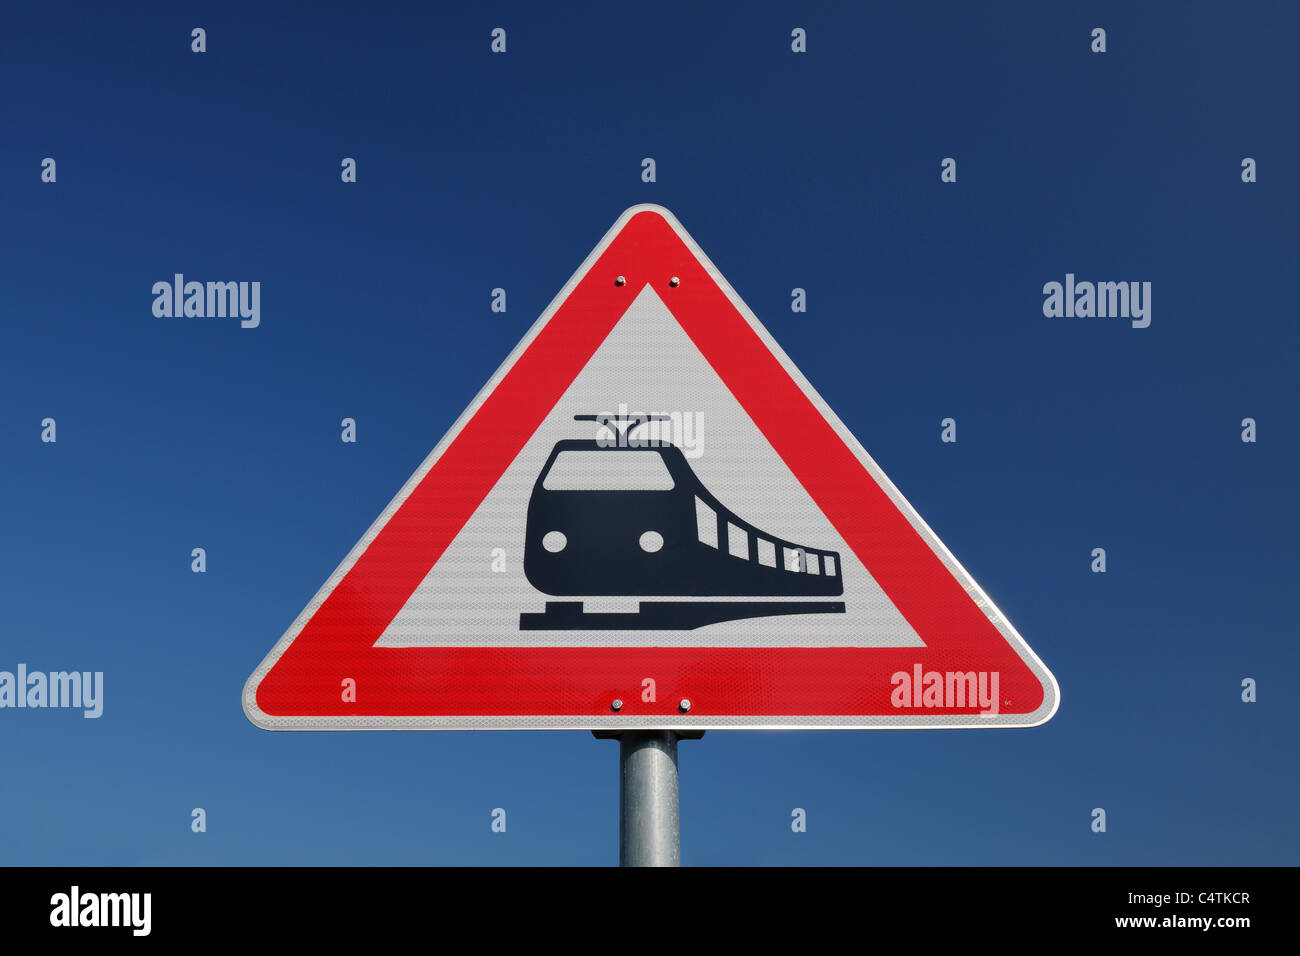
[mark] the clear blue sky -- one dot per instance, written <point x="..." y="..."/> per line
<point x="819" y="171"/>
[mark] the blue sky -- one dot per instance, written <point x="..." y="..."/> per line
<point x="819" y="171"/>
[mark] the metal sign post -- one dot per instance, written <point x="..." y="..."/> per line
<point x="649" y="820"/>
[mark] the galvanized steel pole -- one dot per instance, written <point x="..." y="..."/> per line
<point x="649" y="822"/>
<point x="649" y="827"/>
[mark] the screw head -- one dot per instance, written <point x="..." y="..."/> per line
<point x="685" y="705"/>
<point x="674" y="281"/>
<point x="616" y="705"/>
<point x="620" y="281"/>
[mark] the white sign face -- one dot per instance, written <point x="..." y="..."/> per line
<point x="649" y="519"/>
<point x="457" y="604"/>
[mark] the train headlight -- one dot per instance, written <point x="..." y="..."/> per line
<point x="554" y="541"/>
<point x="652" y="541"/>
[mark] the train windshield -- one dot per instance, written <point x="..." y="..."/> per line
<point x="608" y="471"/>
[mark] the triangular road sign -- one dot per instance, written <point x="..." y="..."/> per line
<point x="649" y="519"/>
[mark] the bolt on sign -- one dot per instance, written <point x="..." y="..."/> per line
<point x="646" y="505"/>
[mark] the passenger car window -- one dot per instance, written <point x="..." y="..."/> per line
<point x="706" y="521"/>
<point x="737" y="541"/>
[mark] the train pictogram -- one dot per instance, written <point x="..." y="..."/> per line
<point x="630" y="518"/>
